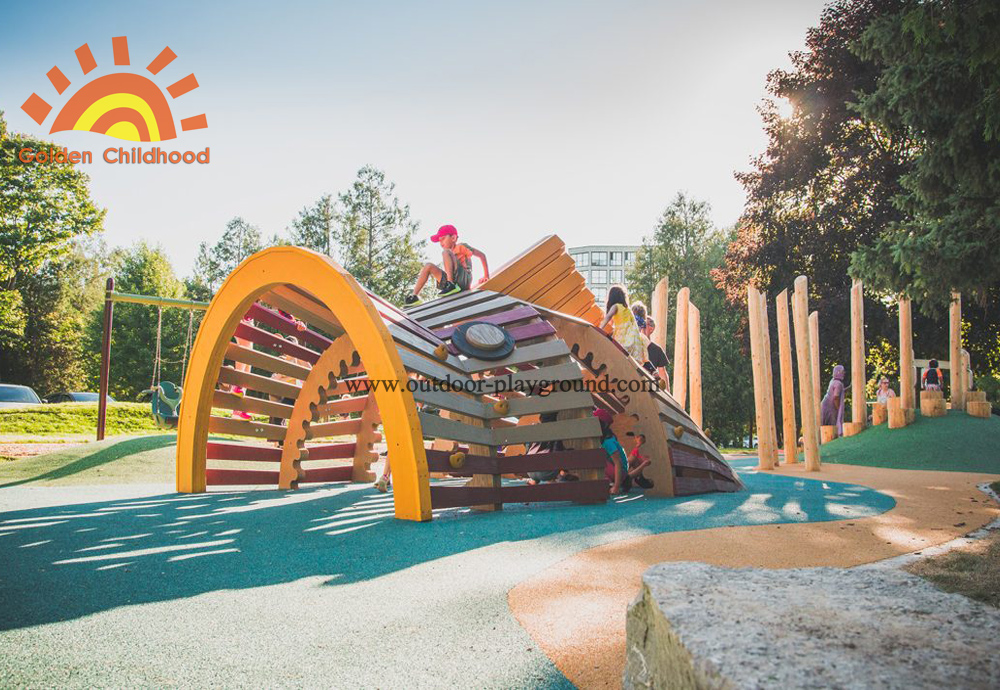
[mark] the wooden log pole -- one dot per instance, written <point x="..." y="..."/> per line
<point x="907" y="384"/>
<point x="102" y="401"/>
<point x="694" y="363"/>
<point x="814" y="361"/>
<point x="897" y="413"/>
<point x="879" y="413"/>
<point x="803" y="349"/>
<point x="660" y="306"/>
<point x="789" y="427"/>
<point x="772" y="445"/>
<point x="759" y="374"/>
<point x="955" y="341"/>
<point x="681" y="347"/>
<point x="859" y="408"/>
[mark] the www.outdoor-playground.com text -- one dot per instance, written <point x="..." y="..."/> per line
<point x="503" y="384"/>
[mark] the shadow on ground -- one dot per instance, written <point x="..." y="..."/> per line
<point x="65" y="562"/>
<point x="113" y="450"/>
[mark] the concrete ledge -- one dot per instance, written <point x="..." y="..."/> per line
<point x="700" y="626"/>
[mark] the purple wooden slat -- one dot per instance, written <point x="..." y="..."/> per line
<point x="501" y="319"/>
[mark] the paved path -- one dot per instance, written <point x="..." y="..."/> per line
<point x="111" y="585"/>
<point x="575" y="610"/>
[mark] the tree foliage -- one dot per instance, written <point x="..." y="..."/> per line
<point x="216" y="262"/>
<point x="316" y="226"/>
<point x="377" y="239"/>
<point x="938" y="85"/>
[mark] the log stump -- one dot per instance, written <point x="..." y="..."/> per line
<point x="975" y="396"/>
<point x="827" y="433"/>
<point x="853" y="428"/>
<point x="978" y="408"/>
<point x="879" y="414"/>
<point x="897" y="415"/>
<point x="932" y="404"/>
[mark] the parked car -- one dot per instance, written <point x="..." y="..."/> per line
<point x="76" y="396"/>
<point x="17" y="396"/>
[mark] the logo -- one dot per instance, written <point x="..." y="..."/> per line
<point x="123" y="105"/>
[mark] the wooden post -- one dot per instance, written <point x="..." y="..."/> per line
<point x="791" y="438"/>
<point x="859" y="408"/>
<point x="955" y="340"/>
<point x="879" y="413"/>
<point x="897" y="413"/>
<point x="694" y="362"/>
<point x="659" y="306"/>
<point x="102" y="401"/>
<point x="814" y="360"/>
<point x="681" y="347"/>
<point x="768" y="380"/>
<point x="764" y="456"/>
<point x="906" y="377"/>
<point x="803" y="349"/>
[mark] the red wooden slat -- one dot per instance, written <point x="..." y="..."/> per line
<point x="218" y="450"/>
<point x="262" y="314"/>
<point x="437" y="461"/>
<point x="275" y="342"/>
<point x="581" y="492"/>
<point x="215" y="477"/>
<point x="328" y="474"/>
<point x="333" y="451"/>
<point x="503" y="318"/>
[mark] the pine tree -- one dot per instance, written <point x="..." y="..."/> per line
<point x="316" y="226"/>
<point x="216" y="262"/>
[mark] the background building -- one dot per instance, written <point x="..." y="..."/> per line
<point x="604" y="265"/>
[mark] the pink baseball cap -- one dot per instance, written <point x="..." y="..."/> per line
<point x="443" y="231"/>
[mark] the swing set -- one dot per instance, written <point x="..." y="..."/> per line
<point x="164" y="396"/>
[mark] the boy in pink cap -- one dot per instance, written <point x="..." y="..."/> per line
<point x="455" y="272"/>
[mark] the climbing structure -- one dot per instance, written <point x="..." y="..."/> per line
<point x="292" y="337"/>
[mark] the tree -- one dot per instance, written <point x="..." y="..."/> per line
<point x="145" y="270"/>
<point x="44" y="209"/>
<point x="216" y="262"/>
<point x="938" y="85"/>
<point x="376" y="238"/>
<point x="316" y="226"/>
<point x="685" y="246"/>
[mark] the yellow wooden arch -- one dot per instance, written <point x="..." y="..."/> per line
<point x="342" y="295"/>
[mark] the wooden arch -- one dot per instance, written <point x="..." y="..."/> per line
<point x="355" y="313"/>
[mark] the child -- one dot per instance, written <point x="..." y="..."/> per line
<point x="637" y="462"/>
<point x="656" y="359"/>
<point x="616" y="466"/>
<point x="626" y="330"/>
<point x="455" y="272"/>
<point x="932" y="378"/>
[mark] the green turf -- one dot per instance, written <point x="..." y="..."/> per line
<point x="76" y="418"/>
<point x="957" y="442"/>
<point x="120" y="460"/>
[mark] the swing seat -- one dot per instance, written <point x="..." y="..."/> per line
<point x="164" y="403"/>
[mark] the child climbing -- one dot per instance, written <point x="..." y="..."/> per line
<point x="832" y="406"/>
<point x="455" y="272"/>
<point x="616" y="465"/>
<point x="932" y="378"/>
<point x="626" y="330"/>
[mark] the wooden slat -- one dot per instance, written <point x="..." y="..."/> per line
<point x="546" y="277"/>
<point x="581" y="492"/>
<point x="565" y="290"/>
<point x="525" y="354"/>
<point x="220" y="450"/>
<point x="437" y="427"/>
<point x="580" y="303"/>
<point x="560" y="372"/>
<point x="262" y="314"/>
<point x="449" y="303"/>
<point x="454" y="402"/>
<point x="346" y="427"/>
<point x="275" y="342"/>
<point x="525" y="263"/>
<point x="522" y="313"/>
<point x="562" y="430"/>
<point x="228" y="401"/>
<point x="261" y="360"/>
<point x="689" y="486"/>
<point x="685" y="456"/>
<point x="217" y="477"/>
<point x="304" y="307"/>
<point x="243" y="427"/>
<point x="431" y="368"/>
<point x="420" y="345"/>
<point x="256" y="382"/>
<point x="327" y="474"/>
<point x="394" y="315"/>
<point x="342" y="406"/>
<point x="341" y="387"/>
<point x="438" y="461"/>
<point x="531" y="330"/>
<point x="536" y="404"/>
<point x="470" y="313"/>
<point x="330" y="451"/>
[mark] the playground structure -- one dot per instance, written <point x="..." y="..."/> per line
<point x="897" y="413"/>
<point x="360" y="363"/>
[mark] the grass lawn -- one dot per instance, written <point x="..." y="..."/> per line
<point x="956" y="443"/>
<point x="116" y="460"/>
<point x="972" y="570"/>
<point x="70" y="419"/>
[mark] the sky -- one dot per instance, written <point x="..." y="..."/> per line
<point x="509" y="120"/>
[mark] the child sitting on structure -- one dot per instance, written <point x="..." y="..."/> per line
<point x="932" y="378"/>
<point x="616" y="465"/>
<point x="637" y="462"/>
<point x="455" y="272"/>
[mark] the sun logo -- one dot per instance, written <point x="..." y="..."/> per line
<point x="123" y="105"/>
